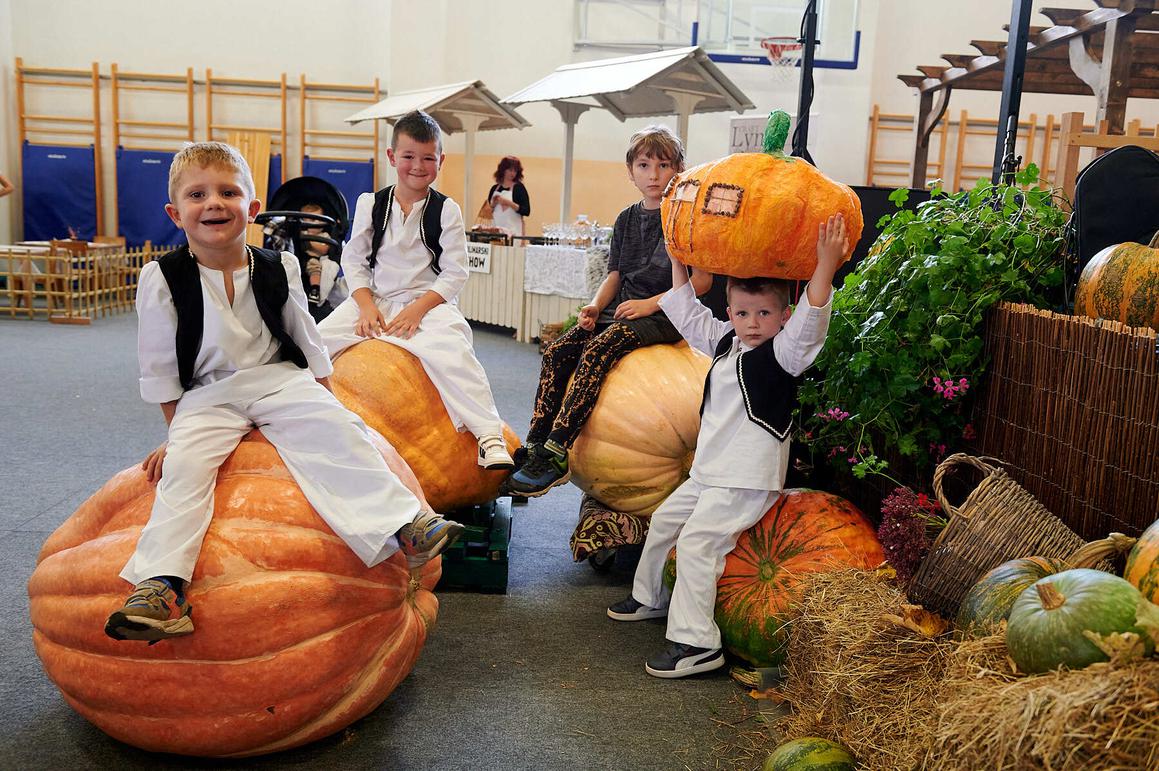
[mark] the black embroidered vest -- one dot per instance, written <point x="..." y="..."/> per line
<point x="430" y="228"/>
<point x="271" y="290"/>
<point x="769" y="392"/>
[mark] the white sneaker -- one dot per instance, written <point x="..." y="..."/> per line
<point x="493" y="453"/>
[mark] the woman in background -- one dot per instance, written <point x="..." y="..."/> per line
<point x="508" y="196"/>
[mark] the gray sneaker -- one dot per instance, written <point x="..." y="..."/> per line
<point x="427" y="537"/>
<point x="153" y="612"/>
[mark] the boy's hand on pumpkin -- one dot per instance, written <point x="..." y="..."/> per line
<point x="587" y="317"/>
<point x="370" y="322"/>
<point x="832" y="243"/>
<point x="405" y="323"/>
<point x="635" y="309"/>
<point x="152" y="464"/>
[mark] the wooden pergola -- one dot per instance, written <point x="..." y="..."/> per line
<point x="1111" y="52"/>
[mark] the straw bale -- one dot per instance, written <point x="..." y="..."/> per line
<point x="859" y="679"/>
<point x="1103" y="717"/>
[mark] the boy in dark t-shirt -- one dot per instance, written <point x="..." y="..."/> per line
<point x="624" y="315"/>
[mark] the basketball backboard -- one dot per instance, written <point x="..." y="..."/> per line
<point x="728" y="30"/>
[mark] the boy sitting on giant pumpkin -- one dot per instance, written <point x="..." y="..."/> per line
<point x="742" y="451"/>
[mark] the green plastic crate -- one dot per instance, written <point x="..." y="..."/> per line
<point x="478" y="560"/>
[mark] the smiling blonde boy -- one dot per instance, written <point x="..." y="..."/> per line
<point x="225" y="344"/>
<point x="405" y="266"/>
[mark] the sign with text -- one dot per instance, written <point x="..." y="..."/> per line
<point x="478" y="257"/>
<point x="746" y="135"/>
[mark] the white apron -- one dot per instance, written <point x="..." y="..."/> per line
<point x="508" y="219"/>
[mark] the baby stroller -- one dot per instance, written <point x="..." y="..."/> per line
<point x="315" y="238"/>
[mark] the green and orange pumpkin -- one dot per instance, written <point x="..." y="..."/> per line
<point x="1121" y="283"/>
<point x="1143" y="564"/>
<point x="295" y="637"/>
<point x="989" y="601"/>
<point x="388" y="388"/>
<point x="1050" y="620"/>
<point x="804" y="532"/>
<point x="755" y="214"/>
<point x="638" y="444"/>
<point x="810" y="753"/>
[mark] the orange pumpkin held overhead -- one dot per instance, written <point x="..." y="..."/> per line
<point x="389" y="389"/>
<point x="637" y="446"/>
<point x="1121" y="283"/>
<point x="296" y="638"/>
<point x="755" y="214"/>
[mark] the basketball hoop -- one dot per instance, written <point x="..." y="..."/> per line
<point x="783" y="53"/>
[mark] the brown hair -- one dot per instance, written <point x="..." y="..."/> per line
<point x="656" y="141"/>
<point x="777" y="288"/>
<point x="420" y="127"/>
<point x="509" y="162"/>
<point x="206" y="154"/>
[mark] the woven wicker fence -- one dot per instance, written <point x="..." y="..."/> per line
<point x="1071" y="406"/>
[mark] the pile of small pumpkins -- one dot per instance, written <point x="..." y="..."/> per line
<point x="1052" y="609"/>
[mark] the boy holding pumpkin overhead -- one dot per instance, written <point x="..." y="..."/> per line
<point x="742" y="449"/>
<point x="226" y="344"/>
<point x="624" y="315"/>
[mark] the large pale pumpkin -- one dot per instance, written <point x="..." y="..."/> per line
<point x="805" y="531"/>
<point x="1121" y="283"/>
<point x="295" y="638"/>
<point x="389" y="389"/>
<point x="638" y="444"/>
<point x="755" y="214"/>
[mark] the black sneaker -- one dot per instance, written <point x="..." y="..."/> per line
<point x="543" y="470"/>
<point x="630" y="610"/>
<point x="681" y="660"/>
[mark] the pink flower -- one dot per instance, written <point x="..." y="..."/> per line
<point x="968" y="432"/>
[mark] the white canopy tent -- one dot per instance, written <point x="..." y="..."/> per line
<point x="467" y="106"/>
<point x="681" y="81"/>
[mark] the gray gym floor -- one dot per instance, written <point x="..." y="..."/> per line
<point x="538" y="678"/>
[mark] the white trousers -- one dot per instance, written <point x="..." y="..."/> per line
<point x="326" y="447"/>
<point x="444" y="345"/>
<point x="703" y="523"/>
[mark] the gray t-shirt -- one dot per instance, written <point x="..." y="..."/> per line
<point x="638" y="252"/>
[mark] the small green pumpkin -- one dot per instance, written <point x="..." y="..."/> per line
<point x="989" y="601"/>
<point x="1048" y="620"/>
<point x="810" y="754"/>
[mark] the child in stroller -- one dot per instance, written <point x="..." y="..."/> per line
<point x="308" y="217"/>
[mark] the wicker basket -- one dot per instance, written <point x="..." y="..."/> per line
<point x="998" y="521"/>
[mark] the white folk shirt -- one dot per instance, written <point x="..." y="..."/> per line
<point x="732" y="450"/>
<point x="403" y="268"/>
<point x="234" y="338"/>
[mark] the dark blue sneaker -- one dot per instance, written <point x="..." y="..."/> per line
<point x="545" y="468"/>
<point x="631" y="610"/>
<point x="681" y="660"/>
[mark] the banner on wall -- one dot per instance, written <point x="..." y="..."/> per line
<point x="746" y="135"/>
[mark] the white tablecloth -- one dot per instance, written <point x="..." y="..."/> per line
<point x="565" y="271"/>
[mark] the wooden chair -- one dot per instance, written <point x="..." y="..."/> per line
<point x="68" y="275"/>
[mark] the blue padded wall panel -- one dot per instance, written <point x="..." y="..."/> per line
<point x="275" y="180"/>
<point x="352" y="178"/>
<point x="59" y="192"/>
<point x="142" y="192"/>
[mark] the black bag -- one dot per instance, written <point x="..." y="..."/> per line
<point x="1116" y="199"/>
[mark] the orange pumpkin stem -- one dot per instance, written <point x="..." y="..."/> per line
<point x="1051" y="597"/>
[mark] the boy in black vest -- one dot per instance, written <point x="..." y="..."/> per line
<point x="226" y="344"/>
<point x="405" y="265"/>
<point x="742" y="450"/>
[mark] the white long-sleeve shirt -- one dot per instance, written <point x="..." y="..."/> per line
<point x="234" y="337"/>
<point x="732" y="450"/>
<point x="403" y="268"/>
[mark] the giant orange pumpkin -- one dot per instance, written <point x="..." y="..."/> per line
<point x="295" y="637"/>
<point x="1143" y="564"/>
<point x="805" y="531"/>
<point x="638" y="444"/>
<point x="1121" y="283"/>
<point x="389" y="389"/>
<point x="755" y="214"/>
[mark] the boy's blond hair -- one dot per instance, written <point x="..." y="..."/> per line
<point x="656" y="141"/>
<point x="206" y="154"/>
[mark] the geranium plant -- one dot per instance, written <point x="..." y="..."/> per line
<point x="904" y="353"/>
